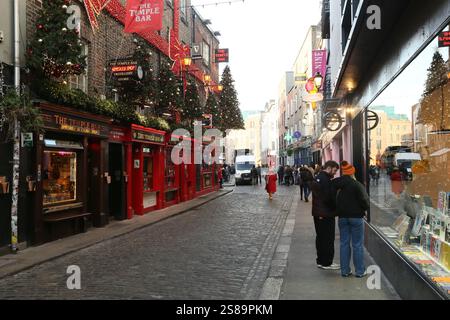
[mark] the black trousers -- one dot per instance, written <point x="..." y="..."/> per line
<point x="325" y="233"/>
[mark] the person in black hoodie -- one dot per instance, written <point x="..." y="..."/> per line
<point x="351" y="205"/>
<point x="323" y="211"/>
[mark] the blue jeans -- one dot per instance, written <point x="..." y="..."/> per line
<point x="352" y="230"/>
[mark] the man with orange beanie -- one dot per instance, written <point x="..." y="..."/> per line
<point x="352" y="202"/>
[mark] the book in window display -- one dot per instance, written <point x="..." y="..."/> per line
<point x="420" y="221"/>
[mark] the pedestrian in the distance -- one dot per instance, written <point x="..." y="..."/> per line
<point x="271" y="183"/>
<point x="324" y="213"/>
<point x="254" y="174"/>
<point x="220" y="176"/>
<point x="280" y="174"/>
<point x="306" y="177"/>
<point x="300" y="182"/>
<point x="396" y="181"/>
<point x="258" y="169"/>
<point x="351" y="205"/>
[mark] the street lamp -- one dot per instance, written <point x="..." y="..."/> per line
<point x="207" y="78"/>
<point x="318" y="80"/>
<point x="187" y="62"/>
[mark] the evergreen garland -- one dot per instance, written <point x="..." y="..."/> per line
<point x="18" y="107"/>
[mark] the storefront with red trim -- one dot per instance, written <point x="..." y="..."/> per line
<point x="148" y="169"/>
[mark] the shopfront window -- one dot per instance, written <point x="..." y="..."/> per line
<point x="410" y="166"/>
<point x="59" y="177"/>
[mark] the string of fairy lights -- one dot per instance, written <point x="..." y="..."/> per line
<point x="209" y="4"/>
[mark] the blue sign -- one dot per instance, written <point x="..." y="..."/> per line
<point x="297" y="135"/>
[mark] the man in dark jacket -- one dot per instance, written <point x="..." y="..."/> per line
<point x="351" y="206"/>
<point x="280" y="175"/>
<point x="306" y="178"/>
<point x="323" y="211"/>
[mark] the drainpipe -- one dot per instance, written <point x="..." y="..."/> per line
<point x="16" y="150"/>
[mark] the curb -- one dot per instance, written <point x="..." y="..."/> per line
<point x="273" y="285"/>
<point x="120" y="234"/>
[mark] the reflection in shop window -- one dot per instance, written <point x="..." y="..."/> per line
<point x="59" y="177"/>
<point x="410" y="197"/>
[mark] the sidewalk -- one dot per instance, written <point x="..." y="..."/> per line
<point x="295" y="275"/>
<point x="32" y="256"/>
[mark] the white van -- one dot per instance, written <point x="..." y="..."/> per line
<point x="405" y="161"/>
<point x="244" y="165"/>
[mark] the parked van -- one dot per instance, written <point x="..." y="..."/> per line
<point x="243" y="167"/>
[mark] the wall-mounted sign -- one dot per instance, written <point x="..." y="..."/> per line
<point x="314" y="97"/>
<point x="118" y="134"/>
<point x="444" y="39"/>
<point x="145" y="136"/>
<point x="137" y="164"/>
<point x="332" y="121"/>
<point x="222" y="55"/>
<point x="301" y="78"/>
<point x="126" y="70"/>
<point x="196" y="51"/>
<point x="72" y="124"/>
<point x="27" y="139"/>
<point x="319" y="62"/>
<point x="144" y="15"/>
<point x="297" y="135"/>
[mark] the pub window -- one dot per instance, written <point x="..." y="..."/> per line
<point x="80" y="81"/>
<point x="59" y="177"/>
<point x="206" y="53"/>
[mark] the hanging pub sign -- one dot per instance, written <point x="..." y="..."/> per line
<point x="144" y="16"/>
<point x="126" y="70"/>
<point x="444" y="39"/>
<point x="333" y="121"/>
<point x="222" y="55"/>
<point x="196" y="51"/>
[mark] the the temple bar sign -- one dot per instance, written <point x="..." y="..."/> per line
<point x="222" y="55"/>
<point x="444" y="39"/>
<point x="148" y="136"/>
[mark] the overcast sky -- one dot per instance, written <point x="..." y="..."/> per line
<point x="264" y="37"/>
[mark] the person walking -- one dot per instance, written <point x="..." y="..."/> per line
<point x="352" y="202"/>
<point x="271" y="183"/>
<point x="220" y="176"/>
<point x="323" y="211"/>
<point x="258" y="169"/>
<point x="254" y="174"/>
<point x="396" y="181"/>
<point x="306" y="177"/>
<point x="287" y="175"/>
<point x="300" y="182"/>
<point x="280" y="174"/>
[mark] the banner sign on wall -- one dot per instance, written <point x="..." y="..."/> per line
<point x="444" y="39"/>
<point x="319" y="62"/>
<point x="222" y="55"/>
<point x="144" y="15"/>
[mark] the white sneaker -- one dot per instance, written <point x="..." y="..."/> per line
<point x="333" y="266"/>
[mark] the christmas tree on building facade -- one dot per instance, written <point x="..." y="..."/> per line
<point x="231" y="116"/>
<point x="435" y="104"/>
<point x="55" y="50"/>
<point x="192" y="109"/>
<point x="170" y="94"/>
<point x="212" y="107"/>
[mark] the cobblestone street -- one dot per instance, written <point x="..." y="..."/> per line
<point x="221" y="250"/>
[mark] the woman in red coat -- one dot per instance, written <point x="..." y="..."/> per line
<point x="271" y="183"/>
<point x="396" y="180"/>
